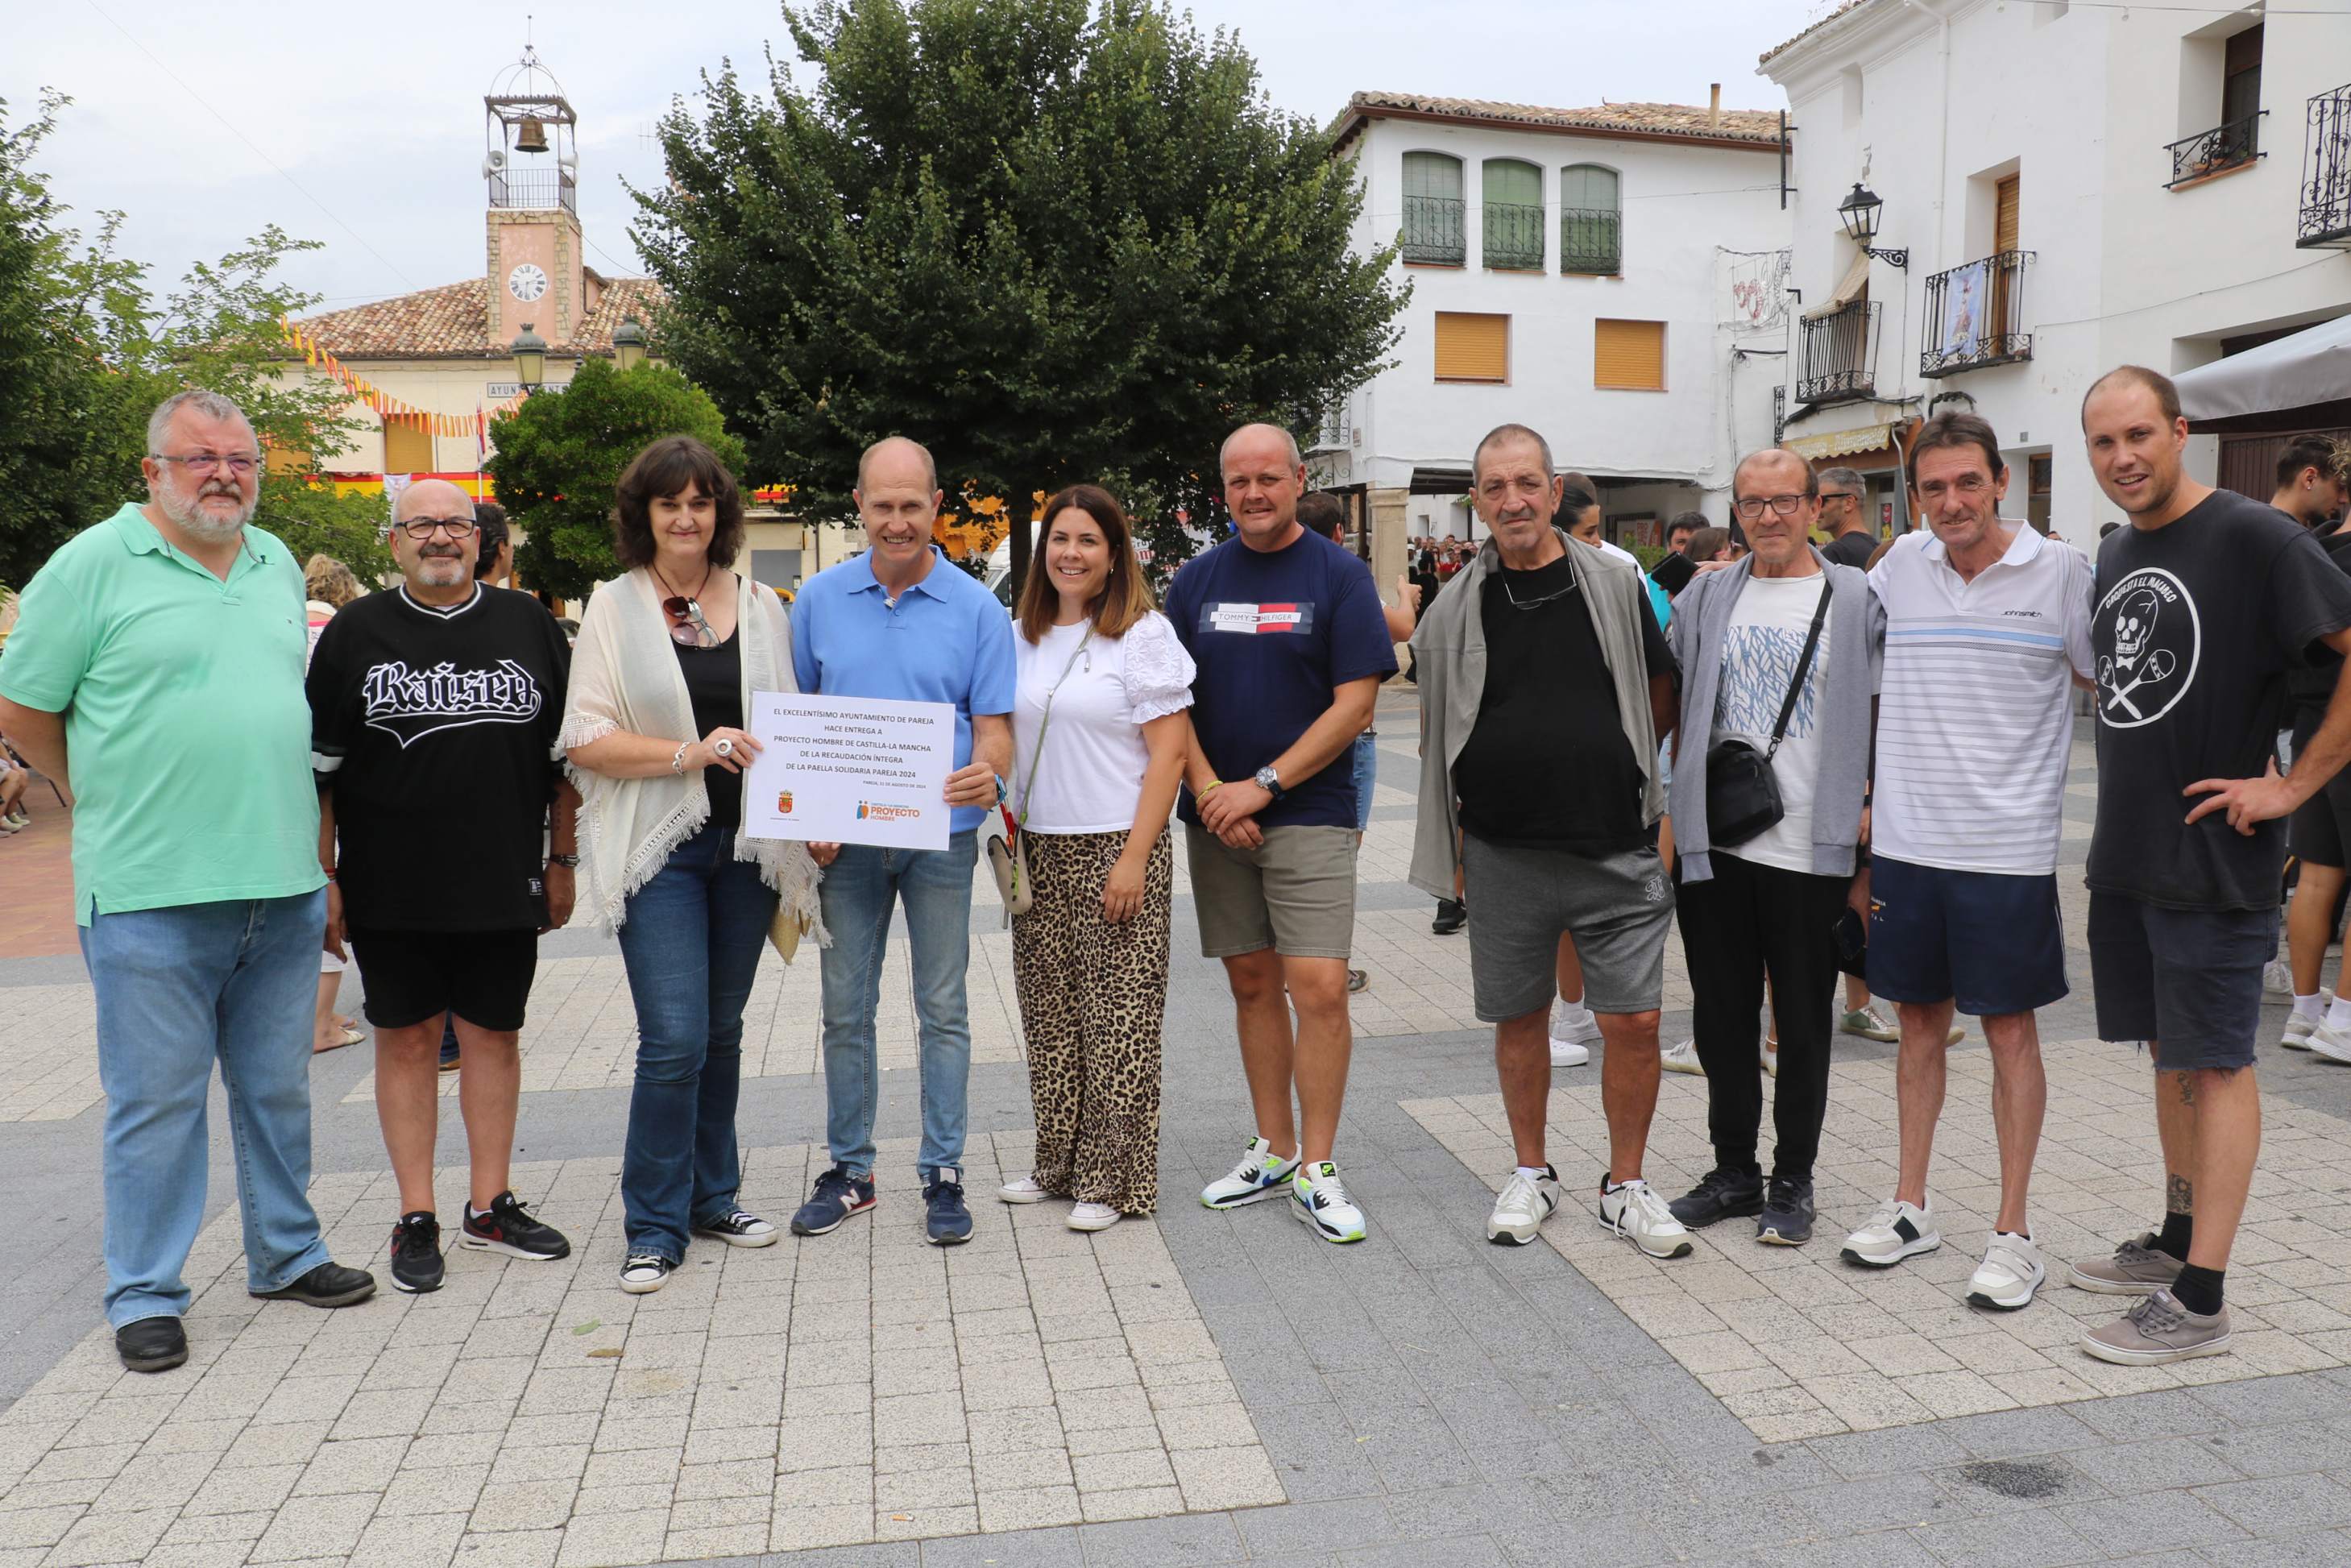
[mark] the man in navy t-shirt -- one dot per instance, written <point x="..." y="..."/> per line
<point x="1288" y="634"/>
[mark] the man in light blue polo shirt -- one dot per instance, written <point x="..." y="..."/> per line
<point x="904" y="623"/>
<point x="156" y="671"/>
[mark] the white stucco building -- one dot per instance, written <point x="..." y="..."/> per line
<point x="2075" y="187"/>
<point x="1590" y="273"/>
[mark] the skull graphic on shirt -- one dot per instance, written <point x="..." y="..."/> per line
<point x="2149" y="639"/>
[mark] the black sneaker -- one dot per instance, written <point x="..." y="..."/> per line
<point x="508" y="1227"/>
<point x="152" y="1344"/>
<point x="738" y="1228"/>
<point x="416" y="1253"/>
<point x="1787" y="1218"/>
<point x="838" y="1196"/>
<point x="949" y="1221"/>
<point x="1721" y="1194"/>
<point x="1451" y="916"/>
<point x="644" y="1272"/>
<point x="328" y="1285"/>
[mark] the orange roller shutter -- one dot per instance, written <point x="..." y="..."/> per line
<point x="1629" y="356"/>
<point x="1472" y="347"/>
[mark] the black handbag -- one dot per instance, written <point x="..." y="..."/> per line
<point x="1742" y="798"/>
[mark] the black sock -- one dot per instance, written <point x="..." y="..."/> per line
<point x="2198" y="1290"/>
<point x="2177" y="1229"/>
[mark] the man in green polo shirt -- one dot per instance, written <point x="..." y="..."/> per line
<point x="156" y="673"/>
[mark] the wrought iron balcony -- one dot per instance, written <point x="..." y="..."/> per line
<point x="1433" y="230"/>
<point x="2326" y="173"/>
<point x="1840" y="361"/>
<point x="1975" y="316"/>
<point x="1591" y="239"/>
<point x="1514" y="237"/>
<point x="2224" y="147"/>
<point x="534" y="189"/>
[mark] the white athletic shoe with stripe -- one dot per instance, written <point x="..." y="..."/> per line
<point x="1898" y="1230"/>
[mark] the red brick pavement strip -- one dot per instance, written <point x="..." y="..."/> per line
<point x="37" y="917"/>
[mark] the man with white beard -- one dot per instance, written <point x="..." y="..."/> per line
<point x="156" y="671"/>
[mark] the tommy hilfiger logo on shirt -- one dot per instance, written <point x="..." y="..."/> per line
<point x="409" y="705"/>
<point x="1252" y="620"/>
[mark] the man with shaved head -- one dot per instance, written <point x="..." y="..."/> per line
<point x="434" y="711"/>
<point x="902" y="622"/>
<point x="1286" y="631"/>
<point x="156" y="671"/>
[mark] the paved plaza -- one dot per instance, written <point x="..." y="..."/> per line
<point x="1198" y="1389"/>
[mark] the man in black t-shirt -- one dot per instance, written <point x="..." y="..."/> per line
<point x="434" y="712"/>
<point x="2204" y="603"/>
<point x="1548" y="687"/>
<point x="1845" y="497"/>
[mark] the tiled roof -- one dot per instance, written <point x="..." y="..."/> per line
<point x="454" y="322"/>
<point x="1765" y="58"/>
<point x="1677" y="119"/>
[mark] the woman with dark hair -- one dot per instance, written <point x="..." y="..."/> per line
<point x="1709" y="543"/>
<point x="671" y="651"/>
<point x="1100" y="737"/>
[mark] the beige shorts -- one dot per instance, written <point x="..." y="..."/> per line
<point x="1294" y="894"/>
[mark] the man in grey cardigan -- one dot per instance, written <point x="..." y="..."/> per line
<point x="1770" y="905"/>
<point x="1545" y="683"/>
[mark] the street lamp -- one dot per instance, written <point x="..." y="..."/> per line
<point x="1858" y="213"/>
<point x="529" y="351"/>
<point x="629" y="344"/>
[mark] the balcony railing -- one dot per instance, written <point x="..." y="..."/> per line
<point x="2224" y="147"/>
<point x="1975" y="316"/>
<point x="1514" y="237"/>
<point x="534" y="189"/>
<point x="1591" y="239"/>
<point x="2326" y="172"/>
<point x="1433" y="230"/>
<point x="1840" y="356"/>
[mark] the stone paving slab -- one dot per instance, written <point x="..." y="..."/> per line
<point x="1798" y="1343"/>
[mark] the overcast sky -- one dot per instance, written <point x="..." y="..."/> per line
<point x="362" y="127"/>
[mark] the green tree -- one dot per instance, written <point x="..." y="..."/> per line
<point x="559" y="455"/>
<point x="1050" y="244"/>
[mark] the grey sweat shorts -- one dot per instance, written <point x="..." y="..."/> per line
<point x="1619" y="908"/>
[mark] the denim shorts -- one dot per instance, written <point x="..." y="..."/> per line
<point x="2189" y="980"/>
<point x="1367" y="774"/>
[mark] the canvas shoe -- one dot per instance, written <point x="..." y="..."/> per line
<point x="2136" y="1269"/>
<point x="1092" y="1216"/>
<point x="1869" y="1024"/>
<point x="739" y="1227"/>
<point x="1022" y="1189"/>
<point x="1260" y="1174"/>
<point x="2277" y="978"/>
<point x="2299" y="1028"/>
<point x="1319" y="1201"/>
<point x="2158" y="1329"/>
<point x="1525" y="1203"/>
<point x="1634" y="1211"/>
<point x="1682" y="1058"/>
<point x="1572" y="1031"/>
<point x="1896" y="1230"/>
<point x="641" y="1273"/>
<point x="2010" y="1271"/>
<point x="2330" y="1042"/>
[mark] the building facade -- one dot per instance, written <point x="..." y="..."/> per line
<point x="2059" y="189"/>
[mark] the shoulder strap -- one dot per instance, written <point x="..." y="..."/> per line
<point x="1803" y="664"/>
<point x="1029" y="786"/>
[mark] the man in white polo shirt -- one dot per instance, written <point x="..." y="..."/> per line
<point x="1987" y="623"/>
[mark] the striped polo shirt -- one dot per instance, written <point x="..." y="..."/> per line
<point x="1974" y="728"/>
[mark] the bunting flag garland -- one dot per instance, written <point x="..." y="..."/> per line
<point x="455" y="425"/>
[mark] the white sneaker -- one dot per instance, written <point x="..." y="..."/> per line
<point x="1092" y="1216"/>
<point x="1682" y="1058"/>
<point x="2277" y="978"/>
<point x="1635" y="1212"/>
<point x="2299" y="1028"/>
<point x="1767" y="1055"/>
<point x="1526" y="1202"/>
<point x="2330" y="1042"/>
<point x="1261" y="1175"/>
<point x="2012" y="1271"/>
<point x="1319" y="1201"/>
<point x="1896" y="1231"/>
<point x="1022" y="1190"/>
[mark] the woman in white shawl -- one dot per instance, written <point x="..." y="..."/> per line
<point x="668" y="656"/>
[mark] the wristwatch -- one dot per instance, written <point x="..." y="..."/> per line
<point x="1268" y="780"/>
<point x="570" y="862"/>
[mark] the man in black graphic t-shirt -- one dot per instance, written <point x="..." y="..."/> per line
<point x="434" y="711"/>
<point x="2203" y="605"/>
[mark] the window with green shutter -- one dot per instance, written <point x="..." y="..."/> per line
<point x="1514" y="214"/>
<point x="1590" y="221"/>
<point x="1433" y="230"/>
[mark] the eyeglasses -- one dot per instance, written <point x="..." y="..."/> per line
<point x="688" y="628"/>
<point x="1752" y="506"/>
<point x="204" y="463"/>
<point x="422" y="528"/>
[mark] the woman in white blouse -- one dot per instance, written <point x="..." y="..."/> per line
<point x="1099" y="736"/>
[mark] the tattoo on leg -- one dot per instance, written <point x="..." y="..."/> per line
<point x="2186" y="1088"/>
<point x="2178" y="1195"/>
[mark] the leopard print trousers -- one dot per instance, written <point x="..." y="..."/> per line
<point x="1092" y="997"/>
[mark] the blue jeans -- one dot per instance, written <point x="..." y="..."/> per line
<point x="178" y="989"/>
<point x="859" y="891"/>
<point x="691" y="943"/>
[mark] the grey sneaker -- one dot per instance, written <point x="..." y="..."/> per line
<point x="2159" y="1328"/>
<point x="2136" y="1269"/>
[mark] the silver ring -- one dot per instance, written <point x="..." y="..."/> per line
<point x="725" y="748"/>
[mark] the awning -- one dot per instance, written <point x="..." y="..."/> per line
<point x="1850" y="287"/>
<point x="1842" y="443"/>
<point x="2311" y="366"/>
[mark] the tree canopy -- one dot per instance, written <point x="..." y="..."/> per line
<point x="1052" y="244"/>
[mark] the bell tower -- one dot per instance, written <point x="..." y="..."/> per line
<point x="532" y="168"/>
